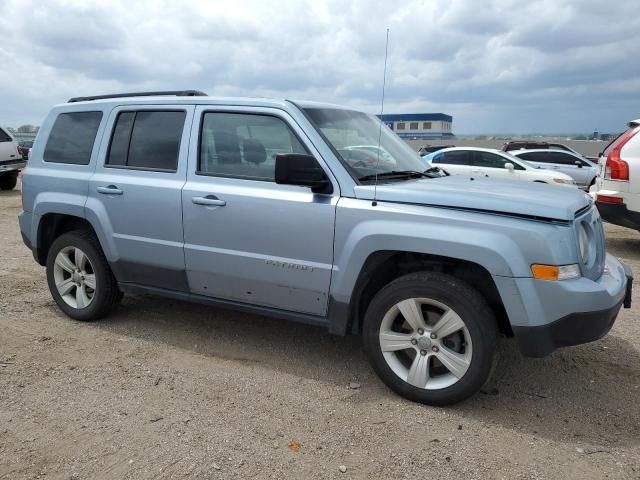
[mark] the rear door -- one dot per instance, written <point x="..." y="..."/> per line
<point x="566" y="163"/>
<point x="492" y="165"/>
<point x="136" y="192"/>
<point x="248" y="239"/>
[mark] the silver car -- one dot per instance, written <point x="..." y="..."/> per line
<point x="583" y="171"/>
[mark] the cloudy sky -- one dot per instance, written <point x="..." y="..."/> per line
<point x="495" y="65"/>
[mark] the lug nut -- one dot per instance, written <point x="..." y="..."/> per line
<point x="423" y="352"/>
<point x="420" y="331"/>
<point x="435" y="349"/>
<point x="413" y="341"/>
<point x="434" y="336"/>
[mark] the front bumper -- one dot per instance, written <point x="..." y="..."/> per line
<point x="569" y="312"/>
<point x="619" y="214"/>
<point x="12" y="166"/>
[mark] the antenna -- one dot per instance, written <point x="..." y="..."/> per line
<point x="384" y="84"/>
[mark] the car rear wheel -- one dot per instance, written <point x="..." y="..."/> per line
<point x="8" y="181"/>
<point x="79" y="277"/>
<point x="431" y="338"/>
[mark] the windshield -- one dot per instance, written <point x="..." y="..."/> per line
<point x="354" y="135"/>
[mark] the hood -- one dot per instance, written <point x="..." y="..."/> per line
<point x="497" y="196"/>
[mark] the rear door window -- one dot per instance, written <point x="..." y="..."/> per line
<point x="462" y="157"/>
<point x="148" y="140"/>
<point x="72" y="137"/>
<point x="539" y="157"/>
<point x="4" y="136"/>
<point x="560" y="158"/>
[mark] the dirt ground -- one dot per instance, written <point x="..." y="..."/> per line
<point x="164" y="389"/>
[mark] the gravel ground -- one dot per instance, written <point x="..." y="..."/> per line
<point x="164" y="389"/>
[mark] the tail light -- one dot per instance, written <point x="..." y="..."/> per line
<point x="608" y="199"/>
<point x="616" y="168"/>
<point x="19" y="151"/>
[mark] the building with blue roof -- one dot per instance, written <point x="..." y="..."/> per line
<point x="419" y="125"/>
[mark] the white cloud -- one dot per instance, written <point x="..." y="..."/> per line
<point x="499" y="65"/>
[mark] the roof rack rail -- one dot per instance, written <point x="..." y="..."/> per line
<point x="177" y="93"/>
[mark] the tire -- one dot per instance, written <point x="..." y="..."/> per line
<point x="93" y="291"/>
<point x="468" y="351"/>
<point x="8" y="181"/>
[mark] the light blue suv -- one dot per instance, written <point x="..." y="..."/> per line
<point x="314" y="213"/>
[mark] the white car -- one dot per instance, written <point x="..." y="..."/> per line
<point x="10" y="160"/>
<point x="583" y="171"/>
<point x="486" y="162"/>
<point x="617" y="188"/>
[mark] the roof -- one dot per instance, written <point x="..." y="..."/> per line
<point x="399" y="117"/>
<point x="81" y="102"/>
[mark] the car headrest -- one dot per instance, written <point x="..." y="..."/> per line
<point x="254" y="151"/>
<point x="227" y="147"/>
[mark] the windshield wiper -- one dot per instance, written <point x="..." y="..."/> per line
<point x="398" y="174"/>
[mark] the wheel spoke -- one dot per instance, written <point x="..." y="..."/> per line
<point x="80" y="258"/>
<point x="65" y="286"/>
<point x="392" y="341"/>
<point x="65" y="263"/>
<point x="449" y="323"/>
<point x="90" y="280"/>
<point x="412" y="313"/>
<point x="82" y="300"/>
<point x="456" y="363"/>
<point x="419" y="371"/>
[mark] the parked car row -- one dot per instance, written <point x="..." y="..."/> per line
<point x="613" y="179"/>
<point x="486" y="162"/>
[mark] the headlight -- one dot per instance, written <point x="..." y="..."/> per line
<point x="587" y="244"/>
<point x="555" y="272"/>
<point x="566" y="182"/>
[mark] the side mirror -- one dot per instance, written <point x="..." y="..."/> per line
<point x="302" y="170"/>
<point x="578" y="163"/>
<point x="509" y="166"/>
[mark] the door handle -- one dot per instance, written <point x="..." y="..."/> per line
<point x="110" y="190"/>
<point x="209" y="201"/>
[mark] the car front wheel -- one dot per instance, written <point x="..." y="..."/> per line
<point x="431" y="338"/>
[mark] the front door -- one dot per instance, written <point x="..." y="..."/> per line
<point x="137" y="191"/>
<point x="248" y="239"/>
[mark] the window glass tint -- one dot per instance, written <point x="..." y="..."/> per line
<point x="426" y="125"/>
<point x="562" y="158"/>
<point x="540" y="157"/>
<point x="457" y="158"/>
<point x="147" y="139"/>
<point x="244" y="145"/>
<point x="438" y="158"/>
<point x="72" y="137"/>
<point x="489" y="160"/>
<point x="4" y="137"/>
<point x="119" y="148"/>
<point x="413" y="126"/>
<point x="400" y="126"/>
<point x="155" y="140"/>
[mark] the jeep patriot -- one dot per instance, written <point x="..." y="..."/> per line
<point x="319" y="214"/>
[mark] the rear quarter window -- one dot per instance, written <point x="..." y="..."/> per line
<point x="4" y="136"/>
<point x="72" y="137"/>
